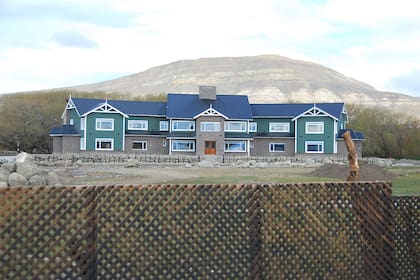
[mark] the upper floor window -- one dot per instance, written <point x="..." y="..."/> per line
<point x="71" y="121"/>
<point x="210" y="126"/>
<point x="235" y="126"/>
<point x="314" y="128"/>
<point x="279" y="127"/>
<point x="82" y="123"/>
<point x="252" y="127"/>
<point x="183" y="126"/>
<point x="138" y="124"/>
<point x="104" y="124"/>
<point x="163" y="126"/>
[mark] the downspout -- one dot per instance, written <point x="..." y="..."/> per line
<point x="123" y="134"/>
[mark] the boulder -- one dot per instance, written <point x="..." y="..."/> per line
<point x="24" y="157"/>
<point x="9" y="166"/>
<point x="37" y="180"/>
<point x="132" y="163"/>
<point x="26" y="169"/>
<point x="3" y="184"/>
<point x="16" y="179"/>
<point x="4" y="175"/>
<point x="52" y="179"/>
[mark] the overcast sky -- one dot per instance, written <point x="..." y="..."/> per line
<point x="55" y="43"/>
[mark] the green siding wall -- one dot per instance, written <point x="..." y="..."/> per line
<point x="263" y="125"/>
<point x="153" y="122"/>
<point x="75" y="116"/>
<point x="92" y="133"/>
<point x="328" y="136"/>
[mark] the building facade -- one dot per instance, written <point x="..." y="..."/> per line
<point x="202" y="124"/>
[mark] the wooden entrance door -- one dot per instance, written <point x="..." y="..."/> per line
<point x="210" y="148"/>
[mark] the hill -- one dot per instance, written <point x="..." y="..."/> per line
<point x="265" y="79"/>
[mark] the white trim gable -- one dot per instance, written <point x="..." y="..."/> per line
<point x="70" y="105"/>
<point x="105" y="108"/>
<point x="315" y="112"/>
<point x="211" y="112"/>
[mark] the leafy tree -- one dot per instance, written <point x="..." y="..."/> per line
<point x="388" y="134"/>
<point x="26" y="118"/>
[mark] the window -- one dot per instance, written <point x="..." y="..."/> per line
<point x="104" y="124"/>
<point x="314" y="128"/>
<point x="276" y="147"/>
<point x="279" y="127"/>
<point x="235" y="146"/>
<point x="138" y="124"/>
<point x="183" y="146"/>
<point x="314" y="147"/>
<point x="140" y="145"/>
<point x="252" y="127"/>
<point x="210" y="126"/>
<point x="104" y="144"/>
<point x="82" y="123"/>
<point x="183" y="126"/>
<point x="71" y="121"/>
<point x="82" y="144"/>
<point x="235" y="126"/>
<point x="163" y="126"/>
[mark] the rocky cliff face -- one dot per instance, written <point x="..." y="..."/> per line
<point x="265" y="79"/>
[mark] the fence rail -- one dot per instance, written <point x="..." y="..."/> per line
<point x="279" y="231"/>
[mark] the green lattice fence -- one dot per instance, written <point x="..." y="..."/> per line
<point x="285" y="231"/>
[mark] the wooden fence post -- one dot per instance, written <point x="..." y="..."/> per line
<point x="352" y="157"/>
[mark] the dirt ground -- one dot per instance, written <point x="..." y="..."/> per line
<point x="119" y="174"/>
<point x="367" y="172"/>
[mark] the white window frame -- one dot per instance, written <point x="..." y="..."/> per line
<point x="279" y="127"/>
<point x="313" y="124"/>
<point x="82" y="123"/>
<point x="138" y="125"/>
<point x="71" y="122"/>
<point x="99" y="121"/>
<point x="272" y="145"/>
<point x="144" y="145"/>
<point x="164" y="126"/>
<point x="242" y="143"/>
<point x="319" y="143"/>
<point x="232" y="123"/>
<point x="210" y="126"/>
<point x="98" y="140"/>
<point x="190" y="143"/>
<point x="82" y="144"/>
<point x="252" y="127"/>
<point x="191" y="127"/>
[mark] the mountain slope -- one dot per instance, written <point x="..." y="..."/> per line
<point x="265" y="79"/>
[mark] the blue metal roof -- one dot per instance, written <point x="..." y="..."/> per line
<point x="334" y="109"/>
<point x="355" y="135"/>
<point x="294" y="109"/>
<point x="85" y="105"/>
<point x="279" y="110"/>
<point x="65" y="129"/>
<point x="139" y="107"/>
<point x="187" y="106"/>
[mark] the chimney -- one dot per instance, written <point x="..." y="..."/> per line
<point x="207" y="92"/>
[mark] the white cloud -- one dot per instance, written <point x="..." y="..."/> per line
<point x="372" y="41"/>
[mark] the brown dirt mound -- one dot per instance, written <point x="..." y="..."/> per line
<point x="367" y="172"/>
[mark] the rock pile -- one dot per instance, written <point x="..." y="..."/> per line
<point x="24" y="172"/>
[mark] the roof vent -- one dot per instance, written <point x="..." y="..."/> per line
<point x="207" y="92"/>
